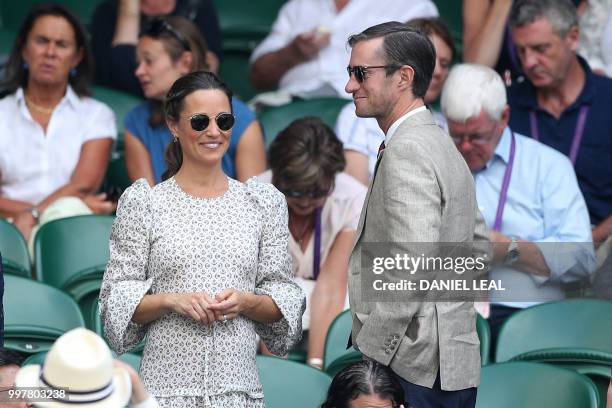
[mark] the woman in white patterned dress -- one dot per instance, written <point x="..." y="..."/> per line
<point x="200" y="264"/>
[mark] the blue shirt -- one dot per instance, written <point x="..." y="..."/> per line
<point x="594" y="161"/>
<point x="544" y="205"/>
<point x="157" y="139"/>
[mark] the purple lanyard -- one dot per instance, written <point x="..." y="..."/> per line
<point x="316" y="265"/>
<point x="578" y="133"/>
<point x="505" y="184"/>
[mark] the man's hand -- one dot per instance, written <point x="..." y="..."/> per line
<point x="307" y="45"/>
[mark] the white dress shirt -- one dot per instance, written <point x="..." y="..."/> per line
<point x="328" y="68"/>
<point x="33" y="164"/>
<point x="363" y="135"/>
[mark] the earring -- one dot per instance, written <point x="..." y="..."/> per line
<point x="175" y="138"/>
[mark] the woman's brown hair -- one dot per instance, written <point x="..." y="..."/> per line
<point x="304" y="155"/>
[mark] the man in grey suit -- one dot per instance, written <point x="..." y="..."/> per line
<point x="421" y="192"/>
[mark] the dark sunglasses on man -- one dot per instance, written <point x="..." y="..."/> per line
<point x="200" y="121"/>
<point x="361" y="71"/>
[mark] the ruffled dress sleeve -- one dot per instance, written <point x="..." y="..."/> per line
<point x="126" y="279"/>
<point x="274" y="272"/>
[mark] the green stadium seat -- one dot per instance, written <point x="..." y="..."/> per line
<point x="336" y="355"/>
<point x="451" y="12"/>
<point x="13" y="12"/>
<point x="290" y="384"/>
<point x="337" y="338"/>
<point x="484" y="335"/>
<point x="574" y="334"/>
<point x="533" y="385"/>
<point x="234" y="71"/>
<point x="275" y="119"/>
<point x="7" y="38"/>
<point x="36" y="314"/>
<point x="71" y="254"/>
<point x="246" y="22"/>
<point x="14" y="250"/>
<point x="577" y="323"/>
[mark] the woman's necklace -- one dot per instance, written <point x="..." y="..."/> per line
<point x="38" y="108"/>
<point x="301" y="232"/>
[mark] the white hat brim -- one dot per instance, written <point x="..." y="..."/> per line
<point x="29" y="376"/>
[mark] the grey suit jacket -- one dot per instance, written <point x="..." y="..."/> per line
<point x="422" y="191"/>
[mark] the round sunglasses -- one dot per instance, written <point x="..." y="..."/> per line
<point x="200" y="121"/>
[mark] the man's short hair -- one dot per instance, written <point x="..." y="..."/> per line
<point x="403" y="45"/>
<point x="561" y="14"/>
<point x="469" y="89"/>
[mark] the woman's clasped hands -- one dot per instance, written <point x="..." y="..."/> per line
<point x="203" y="308"/>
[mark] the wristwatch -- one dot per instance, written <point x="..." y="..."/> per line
<point x="35" y="213"/>
<point x="512" y="254"/>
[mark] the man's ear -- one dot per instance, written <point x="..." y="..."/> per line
<point x="406" y="76"/>
<point x="504" y="119"/>
<point x="572" y="38"/>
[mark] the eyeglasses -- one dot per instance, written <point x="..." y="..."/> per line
<point x="360" y="71"/>
<point x="159" y="25"/>
<point x="313" y="194"/>
<point x="200" y="121"/>
<point x="473" y="139"/>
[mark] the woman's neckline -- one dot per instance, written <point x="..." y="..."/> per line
<point x="189" y="195"/>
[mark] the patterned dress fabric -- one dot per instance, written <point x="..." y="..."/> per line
<point x="166" y="241"/>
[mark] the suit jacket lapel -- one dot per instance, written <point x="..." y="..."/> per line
<point x="364" y="210"/>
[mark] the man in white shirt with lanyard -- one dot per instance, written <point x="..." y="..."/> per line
<point x="526" y="191"/>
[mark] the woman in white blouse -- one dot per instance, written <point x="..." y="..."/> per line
<point x="199" y="263"/>
<point x="54" y="140"/>
<point x="306" y="164"/>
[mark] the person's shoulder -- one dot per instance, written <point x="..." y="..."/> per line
<point x="135" y="198"/>
<point x="602" y="85"/>
<point x="7" y="101"/>
<point x="264" y="194"/>
<point x="140" y="111"/>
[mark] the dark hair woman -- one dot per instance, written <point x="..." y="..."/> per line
<point x="366" y="383"/>
<point x="306" y="163"/>
<point x="199" y="263"/>
<point x="54" y="140"/>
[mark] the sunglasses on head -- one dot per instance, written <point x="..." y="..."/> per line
<point x="360" y="71"/>
<point x="159" y="26"/>
<point x="200" y="121"/>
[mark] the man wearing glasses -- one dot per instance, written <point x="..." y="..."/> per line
<point x="526" y="191"/>
<point x="421" y="192"/>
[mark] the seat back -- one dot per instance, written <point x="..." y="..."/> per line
<point x="337" y="338"/>
<point x="275" y="119"/>
<point x="246" y="21"/>
<point x="35" y="314"/>
<point x="484" y="335"/>
<point x="290" y="384"/>
<point x="533" y="385"/>
<point x="72" y="250"/>
<point x="577" y="323"/>
<point x="14" y="250"/>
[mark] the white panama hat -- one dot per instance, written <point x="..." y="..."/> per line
<point x="81" y="362"/>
